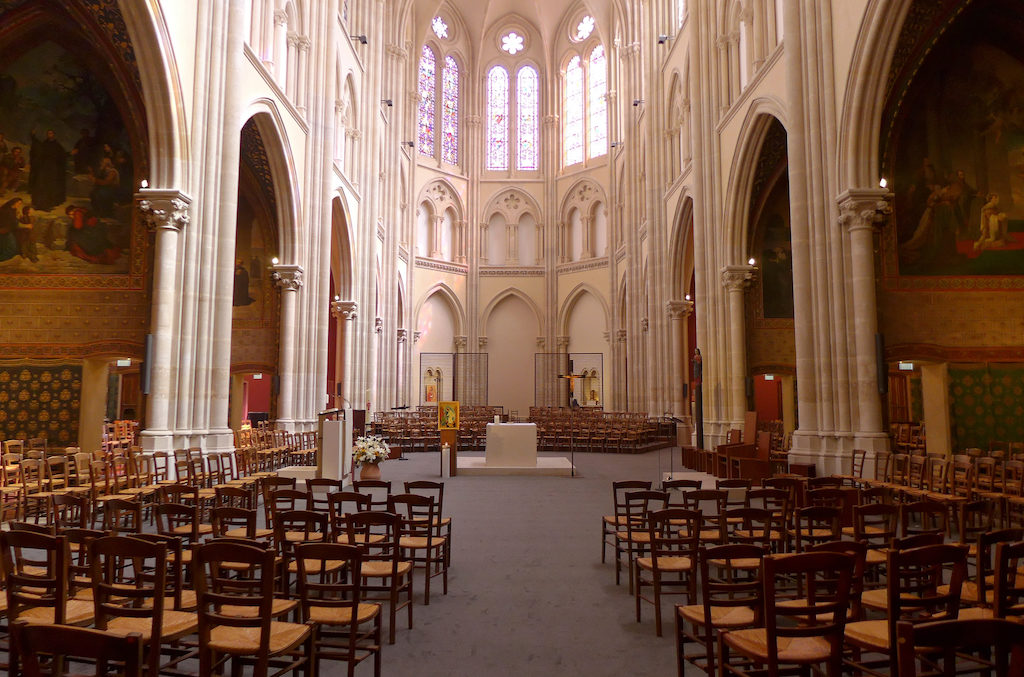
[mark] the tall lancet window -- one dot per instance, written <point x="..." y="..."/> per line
<point x="497" y="118"/>
<point x="528" y="117"/>
<point x="427" y="88"/>
<point x="450" y="112"/>
<point x="573" y="125"/>
<point x="597" y="92"/>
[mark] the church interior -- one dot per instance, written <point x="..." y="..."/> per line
<point x="654" y="230"/>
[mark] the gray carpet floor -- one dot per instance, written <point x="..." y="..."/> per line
<point x="528" y="594"/>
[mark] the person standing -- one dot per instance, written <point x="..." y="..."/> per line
<point x="47" y="176"/>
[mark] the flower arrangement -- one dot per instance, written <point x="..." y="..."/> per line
<point x="370" y="449"/>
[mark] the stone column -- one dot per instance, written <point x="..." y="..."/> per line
<point x="860" y="211"/>
<point x="289" y="278"/>
<point x="402" y="340"/>
<point x="678" y="312"/>
<point x="735" y="279"/>
<point x="167" y="212"/>
<point x="484" y="242"/>
<point x="538" y="244"/>
<point x="621" y="392"/>
<point x="435" y="239"/>
<point x="588" y="238"/>
<point x="345" y="310"/>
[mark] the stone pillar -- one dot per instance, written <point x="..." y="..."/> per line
<point x="621" y="392"/>
<point x="539" y="244"/>
<point x="735" y="279"/>
<point x="167" y="212"/>
<point x="346" y="311"/>
<point x="588" y="237"/>
<point x="484" y="242"/>
<point x="402" y="340"/>
<point x="289" y="278"/>
<point x="678" y="313"/>
<point x="860" y="212"/>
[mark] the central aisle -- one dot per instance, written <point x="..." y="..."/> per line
<point x="528" y="594"/>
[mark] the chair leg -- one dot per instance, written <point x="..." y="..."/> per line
<point x="656" y="583"/>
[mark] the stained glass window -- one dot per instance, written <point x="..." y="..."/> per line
<point x="440" y="27"/>
<point x="427" y="86"/>
<point x="450" y="112"/>
<point x="598" y="108"/>
<point x="584" y="28"/>
<point x="512" y="43"/>
<point x="497" y="118"/>
<point x="528" y="113"/>
<point x="573" y="126"/>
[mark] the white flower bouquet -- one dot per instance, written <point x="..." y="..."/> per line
<point x="370" y="449"/>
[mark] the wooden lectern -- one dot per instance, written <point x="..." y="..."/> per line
<point x="452" y="438"/>
<point x="448" y="425"/>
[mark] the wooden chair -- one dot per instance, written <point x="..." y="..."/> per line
<point x="104" y="649"/>
<point x="1007" y="584"/>
<point x="182" y="521"/>
<point x="998" y="646"/>
<point x="318" y="489"/>
<point x="915" y="591"/>
<point x="673" y="539"/>
<point x="442" y="522"/>
<point x="129" y="587"/>
<point x="731" y="599"/>
<point x="419" y="540"/>
<point x="236" y="616"/>
<point x="36" y="570"/>
<point x="816" y="524"/>
<point x="70" y="510"/>
<point x="334" y="602"/>
<point x="775" y="501"/>
<point x="875" y="525"/>
<point x="924" y="517"/>
<point x="804" y="631"/>
<point x="292" y="527"/>
<point x="610" y="524"/>
<point x="340" y="505"/>
<point x="711" y="503"/>
<point x="379" y="492"/>
<point x="376" y="534"/>
<point x="856" y="475"/>
<point x="633" y="541"/>
<point x="122" y="516"/>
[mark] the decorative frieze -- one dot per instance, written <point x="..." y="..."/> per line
<point x="442" y="266"/>
<point x="494" y="271"/>
<point x="579" y="266"/>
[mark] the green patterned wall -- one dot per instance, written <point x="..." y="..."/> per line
<point x="40" y="401"/>
<point x="986" y="404"/>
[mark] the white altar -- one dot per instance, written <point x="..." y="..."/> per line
<point x="512" y="450"/>
<point x="511" y="444"/>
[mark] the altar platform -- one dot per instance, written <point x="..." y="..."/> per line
<point x="512" y="450"/>
<point x="551" y="466"/>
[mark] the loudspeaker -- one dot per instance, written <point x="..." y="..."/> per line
<point x="146" y="373"/>
<point x="337" y="389"/>
<point x="880" y="365"/>
<point x="749" y="382"/>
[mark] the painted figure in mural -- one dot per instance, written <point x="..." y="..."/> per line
<point x="87" y="238"/>
<point x="993" y="225"/>
<point x="47" y="177"/>
<point x="240" y="295"/>
<point x="698" y="367"/>
<point x="123" y="165"/>
<point x="106" y="182"/>
<point x="12" y="169"/>
<point x="448" y="418"/>
<point x="25" y="236"/>
<point x="84" y="152"/>
<point x="964" y="195"/>
<point x="8" y="229"/>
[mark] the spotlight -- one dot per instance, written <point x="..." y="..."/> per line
<point x="144" y="184"/>
<point x="687" y="297"/>
<point x="615" y="144"/>
<point x="662" y="39"/>
<point x="360" y="38"/>
<point x="387" y="102"/>
<point x="751" y="261"/>
<point x="637" y="102"/>
<point x="410" y="144"/>
<point x="274" y="261"/>
<point x="882" y="183"/>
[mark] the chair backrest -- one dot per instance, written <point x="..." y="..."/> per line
<point x="378" y="490"/>
<point x="317" y="491"/>
<point x="875" y="524"/>
<point x="674" y="532"/>
<point x="931" y="576"/>
<point x="225" y="518"/>
<point x="175" y="575"/>
<point x="922" y="517"/>
<point x="859" y="552"/>
<point x="1008" y="587"/>
<point x="122" y="516"/>
<point x="36" y="570"/>
<point x="178" y="519"/>
<point x="975" y="519"/>
<point x="418" y="514"/>
<point x="227" y="599"/>
<point x="283" y="500"/>
<point x="824" y="483"/>
<point x="70" y="510"/>
<point x="178" y="492"/>
<point x="376" y="534"/>
<point x="32" y="641"/>
<point x="292" y="527"/>
<point x="623" y="487"/>
<point x="428" y="488"/>
<point x="318" y="584"/>
<point x="729" y="583"/>
<point x="816" y="524"/>
<point x="342" y="504"/>
<point x="749" y="525"/>
<point x="129" y="581"/>
<point x="1001" y="643"/>
<point x="824" y="579"/>
<point x="235" y="497"/>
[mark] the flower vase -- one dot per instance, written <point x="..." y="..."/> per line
<point x="370" y="471"/>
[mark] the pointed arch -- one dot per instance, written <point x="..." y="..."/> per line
<point x="760" y="115"/>
<point x="570" y="301"/>
<point x="341" y="247"/>
<point x="441" y="194"/>
<point x="681" y="247"/>
<point x="448" y="295"/>
<point x="513" y="204"/>
<point x="266" y="116"/>
<point x="504" y="294"/>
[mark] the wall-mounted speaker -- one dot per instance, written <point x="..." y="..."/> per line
<point x="146" y="373"/>
<point x="275" y="384"/>
<point x="749" y="383"/>
<point x="337" y="389"/>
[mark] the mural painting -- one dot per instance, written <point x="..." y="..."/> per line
<point x="958" y="162"/>
<point x="66" y="168"/>
<point x="776" y="253"/>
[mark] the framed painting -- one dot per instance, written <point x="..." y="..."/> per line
<point x="448" y="416"/>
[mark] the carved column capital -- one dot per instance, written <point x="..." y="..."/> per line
<point x="344" y="309"/>
<point x="402" y="335"/>
<point x="378" y="325"/>
<point x="645" y="324"/>
<point x="541" y="342"/>
<point x="163" y="209"/>
<point x="864" y="208"/>
<point x="280" y="17"/>
<point x="679" y="310"/>
<point x="620" y="335"/>
<point x="287" y="276"/>
<point x="416" y="336"/>
<point x="736" y="278"/>
<point x="563" y="343"/>
<point x="460" y="344"/>
<point x="482" y="341"/>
